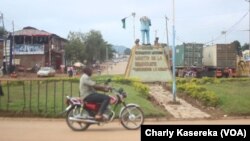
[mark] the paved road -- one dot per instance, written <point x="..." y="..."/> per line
<point x="32" y="129"/>
<point x="118" y="68"/>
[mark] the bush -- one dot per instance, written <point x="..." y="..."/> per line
<point x="140" y="87"/>
<point x="181" y="81"/>
<point x="204" y="80"/>
<point x="122" y="80"/>
<point x="198" y="92"/>
<point x="209" y="98"/>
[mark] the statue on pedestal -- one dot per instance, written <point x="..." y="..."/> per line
<point x="145" y="24"/>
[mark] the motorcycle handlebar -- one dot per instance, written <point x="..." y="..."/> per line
<point x="111" y="89"/>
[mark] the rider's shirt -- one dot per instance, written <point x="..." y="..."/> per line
<point x="86" y="86"/>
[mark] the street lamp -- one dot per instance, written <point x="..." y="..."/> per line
<point x="224" y="33"/>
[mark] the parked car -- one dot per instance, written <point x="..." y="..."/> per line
<point x="46" y="71"/>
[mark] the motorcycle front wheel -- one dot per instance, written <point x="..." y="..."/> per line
<point x="132" y="117"/>
<point x="72" y="119"/>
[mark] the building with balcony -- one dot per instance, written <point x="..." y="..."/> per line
<point x="32" y="47"/>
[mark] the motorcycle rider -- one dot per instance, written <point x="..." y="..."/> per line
<point x="88" y="91"/>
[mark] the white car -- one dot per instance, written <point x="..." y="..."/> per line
<point x="46" y="71"/>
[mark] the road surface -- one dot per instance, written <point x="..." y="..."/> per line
<point x="38" y="129"/>
<point x="118" y="68"/>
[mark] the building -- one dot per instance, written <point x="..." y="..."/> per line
<point x="33" y="47"/>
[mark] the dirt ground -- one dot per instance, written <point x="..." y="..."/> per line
<point x="38" y="129"/>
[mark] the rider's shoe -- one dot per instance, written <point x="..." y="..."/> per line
<point x="98" y="117"/>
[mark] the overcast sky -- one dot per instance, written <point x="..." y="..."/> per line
<point x="200" y="21"/>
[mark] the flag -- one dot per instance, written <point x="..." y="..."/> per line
<point x="124" y="23"/>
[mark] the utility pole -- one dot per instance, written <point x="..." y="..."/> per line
<point x="12" y="46"/>
<point x="249" y="25"/>
<point x="4" y="59"/>
<point x="133" y="14"/>
<point x="107" y="57"/>
<point x="2" y="19"/>
<point x="155" y="33"/>
<point x="167" y="49"/>
<point x="167" y="29"/>
<point x="173" y="56"/>
<point x="13" y="43"/>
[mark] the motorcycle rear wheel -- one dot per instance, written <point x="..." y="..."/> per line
<point x="132" y="117"/>
<point x="75" y="113"/>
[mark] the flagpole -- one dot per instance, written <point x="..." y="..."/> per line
<point x="124" y="23"/>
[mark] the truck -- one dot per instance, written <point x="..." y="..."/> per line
<point x="188" y="59"/>
<point x="221" y="58"/>
<point x="218" y="60"/>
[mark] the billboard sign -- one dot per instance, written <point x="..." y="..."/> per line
<point x="24" y="49"/>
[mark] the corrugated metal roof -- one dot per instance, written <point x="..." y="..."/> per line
<point x="31" y="31"/>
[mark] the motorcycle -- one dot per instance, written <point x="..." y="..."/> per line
<point x="80" y="114"/>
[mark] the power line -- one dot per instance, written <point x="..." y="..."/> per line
<point x="229" y="30"/>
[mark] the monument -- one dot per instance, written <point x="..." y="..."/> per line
<point x="148" y="63"/>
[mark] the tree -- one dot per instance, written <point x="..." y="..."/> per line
<point x="245" y="47"/>
<point x="93" y="45"/>
<point x="96" y="47"/>
<point x="87" y="46"/>
<point x="2" y="32"/>
<point x="238" y="47"/>
<point x="127" y="51"/>
<point x="75" y="49"/>
<point x="106" y="48"/>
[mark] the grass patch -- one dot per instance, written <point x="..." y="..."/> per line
<point x="149" y="109"/>
<point x="46" y="98"/>
<point x="230" y="96"/>
<point x="234" y="96"/>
